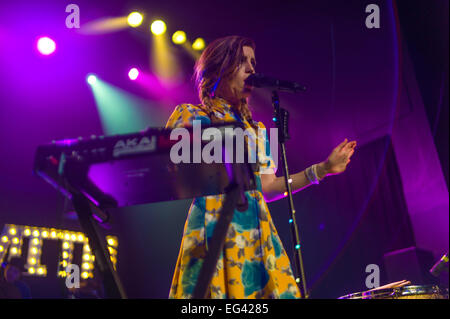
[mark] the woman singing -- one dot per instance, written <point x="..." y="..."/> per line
<point x="254" y="263"/>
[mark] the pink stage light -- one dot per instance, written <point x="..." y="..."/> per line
<point x="133" y="74"/>
<point x="46" y="46"/>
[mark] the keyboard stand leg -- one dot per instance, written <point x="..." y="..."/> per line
<point x="111" y="282"/>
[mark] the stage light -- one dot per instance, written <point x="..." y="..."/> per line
<point x="135" y="19"/>
<point x="133" y="74"/>
<point x="91" y="79"/>
<point x="199" y="44"/>
<point x="179" y="37"/>
<point x="158" y="27"/>
<point x="46" y="45"/>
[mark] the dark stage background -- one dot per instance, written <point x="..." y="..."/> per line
<point x="386" y="88"/>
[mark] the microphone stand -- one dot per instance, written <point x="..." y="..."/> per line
<point x="281" y="117"/>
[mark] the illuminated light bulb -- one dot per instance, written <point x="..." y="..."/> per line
<point x="35" y="241"/>
<point x="1" y="248"/>
<point x="179" y="37"/>
<point x="133" y="74"/>
<point x="86" y="266"/>
<point x="84" y="275"/>
<point x="5" y="239"/>
<point x="31" y="270"/>
<point x="45" y="234"/>
<point x="199" y="44"/>
<point x="12" y="231"/>
<point x="86" y="256"/>
<point x="62" y="273"/>
<point x="158" y="27"/>
<point x="65" y="254"/>
<point x="111" y="242"/>
<point x="80" y="237"/>
<point x="15" y="240"/>
<point x="40" y="271"/>
<point x="112" y="251"/>
<point x="34" y="250"/>
<point x="53" y="234"/>
<point x="285" y="193"/>
<point x="27" y="232"/>
<point x="67" y="236"/>
<point x="32" y="260"/>
<point x="135" y="19"/>
<point x="73" y="237"/>
<point x="14" y="251"/>
<point x="46" y="46"/>
<point x="66" y="245"/>
<point x="91" y="79"/>
<point x="87" y="248"/>
<point x="36" y="233"/>
<point x="64" y="263"/>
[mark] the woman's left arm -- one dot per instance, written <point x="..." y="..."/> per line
<point x="273" y="187"/>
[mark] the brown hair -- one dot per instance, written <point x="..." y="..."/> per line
<point x="219" y="61"/>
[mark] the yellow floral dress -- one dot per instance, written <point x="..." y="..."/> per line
<point x="253" y="263"/>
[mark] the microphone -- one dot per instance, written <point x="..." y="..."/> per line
<point x="259" y="80"/>
<point x="440" y="266"/>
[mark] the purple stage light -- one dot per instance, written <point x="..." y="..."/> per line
<point x="46" y="46"/>
<point x="133" y="74"/>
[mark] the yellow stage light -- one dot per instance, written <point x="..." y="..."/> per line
<point x="179" y="37"/>
<point x="158" y="27"/>
<point x="135" y="19"/>
<point x="199" y="44"/>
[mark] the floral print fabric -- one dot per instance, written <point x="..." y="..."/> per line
<point x="253" y="263"/>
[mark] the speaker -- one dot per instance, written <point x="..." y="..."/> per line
<point x="411" y="264"/>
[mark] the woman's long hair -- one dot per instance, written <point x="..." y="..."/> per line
<point x="219" y="61"/>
